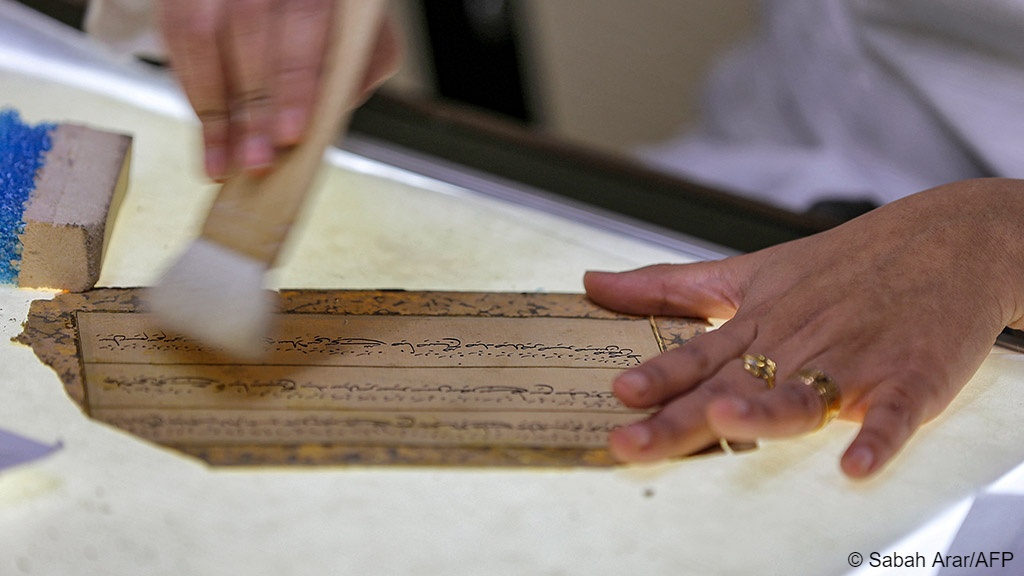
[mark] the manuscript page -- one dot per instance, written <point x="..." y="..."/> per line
<point x="363" y="377"/>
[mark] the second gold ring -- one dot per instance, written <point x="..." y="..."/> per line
<point x="827" y="390"/>
<point x="760" y="366"/>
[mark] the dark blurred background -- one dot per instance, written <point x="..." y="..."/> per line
<point x="610" y="74"/>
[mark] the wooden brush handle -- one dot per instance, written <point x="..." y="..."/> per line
<point x="253" y="214"/>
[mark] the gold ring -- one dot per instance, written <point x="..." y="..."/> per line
<point x="827" y="390"/>
<point x="760" y="366"/>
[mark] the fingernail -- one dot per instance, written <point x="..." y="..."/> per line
<point x="216" y="163"/>
<point x="636" y="383"/>
<point x="257" y="153"/>
<point x="639" y="435"/>
<point x="291" y="124"/>
<point x="860" y="460"/>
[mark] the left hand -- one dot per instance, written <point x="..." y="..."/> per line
<point x="899" y="307"/>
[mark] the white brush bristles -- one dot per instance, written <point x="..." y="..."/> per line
<point x="216" y="295"/>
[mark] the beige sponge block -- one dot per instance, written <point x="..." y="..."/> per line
<point x="70" y="213"/>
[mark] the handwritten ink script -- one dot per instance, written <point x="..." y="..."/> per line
<point x="426" y="341"/>
<point x="407" y="377"/>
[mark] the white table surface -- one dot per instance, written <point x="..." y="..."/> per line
<point x="110" y="504"/>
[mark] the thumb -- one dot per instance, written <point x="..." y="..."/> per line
<point x="703" y="289"/>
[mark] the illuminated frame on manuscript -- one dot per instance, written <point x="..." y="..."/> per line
<point x="364" y="377"/>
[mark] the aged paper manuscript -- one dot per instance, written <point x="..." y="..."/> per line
<point x="362" y="377"/>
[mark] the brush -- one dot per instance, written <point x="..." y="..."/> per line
<point x="215" y="292"/>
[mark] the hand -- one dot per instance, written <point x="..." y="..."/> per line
<point x="899" y="307"/>
<point x="252" y="70"/>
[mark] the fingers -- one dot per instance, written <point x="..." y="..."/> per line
<point x="734" y="405"/>
<point x="730" y="405"/>
<point x="677" y="371"/>
<point x="877" y="320"/>
<point x="702" y="388"/>
<point x="190" y="29"/>
<point x="893" y="415"/>
<point x="302" y="39"/>
<point x="681" y="426"/>
<point x="678" y="429"/>
<point x="248" y="52"/>
<point x="791" y="409"/>
<point x="252" y="70"/>
<point x="705" y="289"/>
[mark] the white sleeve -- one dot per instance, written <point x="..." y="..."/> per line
<point x="965" y="60"/>
<point x="127" y="26"/>
<point x="853" y="99"/>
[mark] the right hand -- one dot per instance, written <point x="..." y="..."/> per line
<point x="252" y="71"/>
<point x="899" y="306"/>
